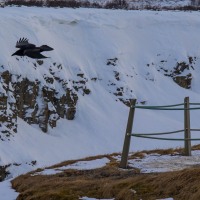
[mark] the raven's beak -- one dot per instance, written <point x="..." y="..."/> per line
<point x="13" y="54"/>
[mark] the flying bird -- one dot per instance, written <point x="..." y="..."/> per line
<point x="30" y="50"/>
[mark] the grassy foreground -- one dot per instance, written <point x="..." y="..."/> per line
<point x="110" y="182"/>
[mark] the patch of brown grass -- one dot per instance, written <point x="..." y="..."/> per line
<point x="70" y="184"/>
<point x="111" y="182"/>
<point x="196" y="147"/>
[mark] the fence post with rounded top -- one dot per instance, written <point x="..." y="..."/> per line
<point x="187" y="135"/>
<point x="127" y="139"/>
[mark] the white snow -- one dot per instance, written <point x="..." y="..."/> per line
<point x="166" y="199"/>
<point x="83" y="40"/>
<point x="6" y="192"/>
<point x="165" y="163"/>
<point x="86" y="165"/>
<point x="135" y="38"/>
<point x="87" y="198"/>
<point x="81" y="165"/>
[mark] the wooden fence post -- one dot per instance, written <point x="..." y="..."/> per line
<point x="187" y="134"/>
<point x="127" y="139"/>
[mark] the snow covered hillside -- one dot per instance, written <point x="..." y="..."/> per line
<point x="116" y="55"/>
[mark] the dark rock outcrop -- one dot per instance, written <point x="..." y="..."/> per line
<point x="3" y="172"/>
<point x="41" y="102"/>
<point x="184" y="81"/>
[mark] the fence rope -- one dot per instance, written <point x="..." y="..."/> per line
<point x="157" y="138"/>
<point x="166" y="106"/>
<point x="161" y="133"/>
<point x="194" y="129"/>
<point x="173" y="105"/>
<point x="163" y="108"/>
<point x="194" y="103"/>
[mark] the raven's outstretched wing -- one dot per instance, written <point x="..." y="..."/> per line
<point x="34" y="53"/>
<point x="24" y="44"/>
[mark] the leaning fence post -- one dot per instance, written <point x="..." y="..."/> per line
<point x="187" y="135"/>
<point x="127" y="139"/>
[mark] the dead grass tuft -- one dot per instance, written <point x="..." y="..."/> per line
<point x="111" y="182"/>
<point x="196" y="147"/>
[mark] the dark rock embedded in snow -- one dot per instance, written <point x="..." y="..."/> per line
<point x="37" y="102"/>
<point x="184" y="81"/>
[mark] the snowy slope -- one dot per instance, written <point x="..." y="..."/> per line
<point x="84" y="39"/>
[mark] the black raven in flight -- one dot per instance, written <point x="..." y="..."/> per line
<point x="30" y="50"/>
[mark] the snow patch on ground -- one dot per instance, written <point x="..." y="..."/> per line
<point x="165" y="163"/>
<point x="166" y="199"/>
<point x="150" y="163"/>
<point x="80" y="165"/>
<point x="6" y="191"/>
<point x="87" y="198"/>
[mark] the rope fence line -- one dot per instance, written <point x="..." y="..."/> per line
<point x="165" y="108"/>
<point x="187" y="130"/>
<point x="151" y="107"/>
<point x="194" y="129"/>
<point x="194" y="103"/>
<point x="172" y="139"/>
<point x="161" y="133"/>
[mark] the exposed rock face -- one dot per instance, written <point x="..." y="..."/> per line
<point x="36" y="102"/>
<point x="181" y="72"/>
<point x="186" y="80"/>
<point x="3" y="172"/>
<point x="8" y="112"/>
